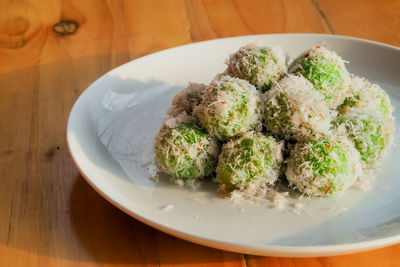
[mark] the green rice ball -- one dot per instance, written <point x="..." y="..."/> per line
<point x="366" y="95"/>
<point x="250" y="157"/>
<point x="324" y="165"/>
<point x="187" y="99"/>
<point x="185" y="151"/>
<point x="294" y="109"/>
<point x="261" y="66"/>
<point x="326" y="71"/>
<point x="230" y="107"/>
<point x="370" y="134"/>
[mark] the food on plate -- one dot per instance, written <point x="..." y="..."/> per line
<point x="319" y="126"/>
<point x="230" y="107"/>
<point x="366" y="95"/>
<point x="259" y="65"/>
<point x="294" y="109"/>
<point x="252" y="156"/>
<point x="326" y="71"/>
<point x="324" y="165"/>
<point x="370" y="133"/>
<point x="185" y="151"/>
<point x="187" y="99"/>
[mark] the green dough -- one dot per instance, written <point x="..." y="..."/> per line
<point x="252" y="156"/>
<point x="261" y="66"/>
<point x="326" y="71"/>
<point x="324" y="165"/>
<point x="230" y="107"/>
<point x="185" y="151"/>
<point x="187" y="99"/>
<point x="293" y="109"/>
<point x="370" y="134"/>
<point x="365" y="95"/>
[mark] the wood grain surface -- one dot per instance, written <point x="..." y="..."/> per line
<point x="51" y="50"/>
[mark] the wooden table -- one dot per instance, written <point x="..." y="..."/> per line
<point x="51" y="50"/>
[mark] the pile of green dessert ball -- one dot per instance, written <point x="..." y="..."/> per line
<point x="310" y="122"/>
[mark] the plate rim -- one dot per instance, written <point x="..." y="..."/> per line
<point x="265" y="250"/>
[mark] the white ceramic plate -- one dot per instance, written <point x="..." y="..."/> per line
<point x="371" y="220"/>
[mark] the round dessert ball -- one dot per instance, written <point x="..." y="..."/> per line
<point x="370" y="134"/>
<point x="365" y="95"/>
<point x="252" y="156"/>
<point x="185" y="151"/>
<point x="230" y="107"/>
<point x="324" y="165"/>
<point x="326" y="71"/>
<point x="187" y="99"/>
<point x="294" y="109"/>
<point x="261" y="66"/>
